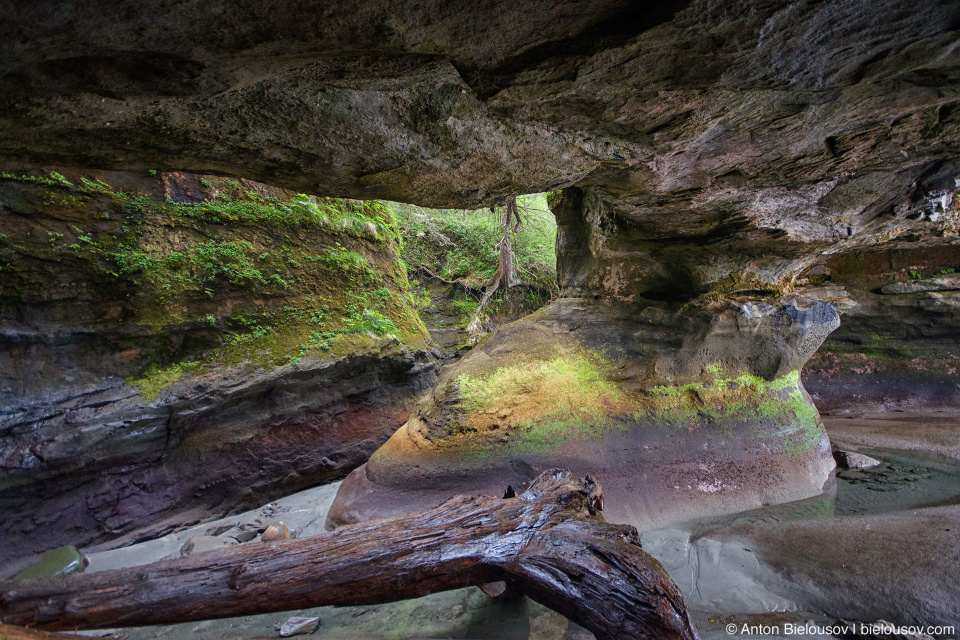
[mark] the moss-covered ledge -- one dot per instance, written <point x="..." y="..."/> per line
<point x="167" y="334"/>
<point x="682" y="411"/>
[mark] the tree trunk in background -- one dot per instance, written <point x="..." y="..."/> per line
<point x="549" y="543"/>
<point x="505" y="268"/>
<point x="503" y="277"/>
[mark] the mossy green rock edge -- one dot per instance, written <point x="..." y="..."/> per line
<point x="179" y="359"/>
<point x="59" y="561"/>
<point x="670" y="433"/>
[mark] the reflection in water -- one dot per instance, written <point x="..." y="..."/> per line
<point x="902" y="481"/>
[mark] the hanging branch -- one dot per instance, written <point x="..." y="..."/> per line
<point x="503" y="277"/>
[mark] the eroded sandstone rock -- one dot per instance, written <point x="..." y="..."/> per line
<point x="669" y="425"/>
<point x="663" y="369"/>
<point x="151" y="355"/>
<point x="891" y="352"/>
<point x="813" y="119"/>
<point x="719" y="149"/>
<point x="949" y="282"/>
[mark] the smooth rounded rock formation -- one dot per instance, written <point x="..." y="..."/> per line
<point x="670" y="427"/>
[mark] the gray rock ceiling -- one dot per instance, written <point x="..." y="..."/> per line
<point x="821" y="121"/>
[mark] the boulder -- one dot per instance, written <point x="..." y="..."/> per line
<point x="244" y="536"/>
<point x="668" y="428"/>
<point x="854" y="460"/>
<point x="57" y="562"/>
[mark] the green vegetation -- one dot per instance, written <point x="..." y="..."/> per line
<point x="199" y="267"/>
<point x="570" y="373"/>
<point x="369" y="321"/>
<point x="742" y="397"/>
<point x="543" y="403"/>
<point x="462" y="245"/>
<point x="466" y="306"/>
<point x="157" y="378"/>
<point x="540" y="405"/>
<point x="255" y="280"/>
<point x="371" y="220"/>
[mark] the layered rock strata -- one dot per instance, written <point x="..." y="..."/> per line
<point x="682" y="404"/>
<point x="164" y="363"/>
<point x="899" y="345"/>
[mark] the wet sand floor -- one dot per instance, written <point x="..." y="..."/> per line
<point x="917" y="474"/>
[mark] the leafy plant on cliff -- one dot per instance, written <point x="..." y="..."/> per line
<point x="248" y="278"/>
<point x="195" y="267"/>
<point x="463" y="245"/>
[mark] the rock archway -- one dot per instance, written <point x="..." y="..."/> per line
<point x="713" y="158"/>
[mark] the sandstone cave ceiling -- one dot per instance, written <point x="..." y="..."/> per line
<point x="808" y="117"/>
<point x="716" y="147"/>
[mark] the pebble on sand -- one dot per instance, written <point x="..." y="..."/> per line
<point x="854" y="460"/>
<point x="276" y="531"/>
<point x="298" y="625"/>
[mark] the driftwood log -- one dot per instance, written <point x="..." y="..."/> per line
<point x="548" y="543"/>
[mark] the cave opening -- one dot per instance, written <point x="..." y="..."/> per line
<point x="276" y="273"/>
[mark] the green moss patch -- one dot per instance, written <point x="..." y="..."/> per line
<point x="241" y="279"/>
<point x="729" y="400"/>
<point x="542" y="402"/>
<point x="536" y="406"/>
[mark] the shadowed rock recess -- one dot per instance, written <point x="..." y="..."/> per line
<point x="721" y="170"/>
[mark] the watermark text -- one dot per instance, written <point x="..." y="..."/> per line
<point x="837" y="629"/>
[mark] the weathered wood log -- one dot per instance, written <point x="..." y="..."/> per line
<point x="549" y="543"/>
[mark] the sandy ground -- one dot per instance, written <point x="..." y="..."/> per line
<point x="885" y="544"/>
<point x="933" y="432"/>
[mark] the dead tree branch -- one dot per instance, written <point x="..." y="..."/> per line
<point x="549" y="543"/>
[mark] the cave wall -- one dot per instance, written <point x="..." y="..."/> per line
<point x="898" y="347"/>
<point x="711" y="155"/>
<point x="178" y="347"/>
